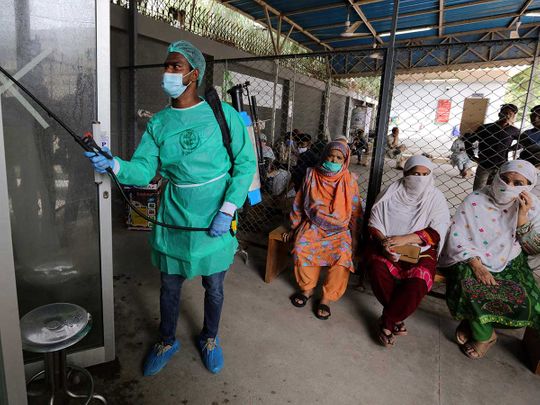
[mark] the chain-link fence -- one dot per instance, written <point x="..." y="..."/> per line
<point x="301" y="102"/>
<point x="444" y="105"/>
<point x="468" y="120"/>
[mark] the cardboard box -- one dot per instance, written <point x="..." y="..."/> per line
<point x="146" y="199"/>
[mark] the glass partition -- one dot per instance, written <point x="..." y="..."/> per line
<point x="51" y="48"/>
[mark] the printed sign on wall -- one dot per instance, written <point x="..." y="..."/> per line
<point x="443" y="111"/>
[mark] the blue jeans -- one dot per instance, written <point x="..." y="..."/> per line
<point x="171" y="285"/>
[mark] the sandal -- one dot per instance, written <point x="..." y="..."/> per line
<point x="321" y="308"/>
<point x="477" y="350"/>
<point x="299" y="300"/>
<point x="400" y="329"/>
<point x="386" y="337"/>
<point x="463" y="332"/>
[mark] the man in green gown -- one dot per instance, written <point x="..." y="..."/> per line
<point x="184" y="142"/>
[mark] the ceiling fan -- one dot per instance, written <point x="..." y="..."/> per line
<point x="349" y="31"/>
<point x="349" y="28"/>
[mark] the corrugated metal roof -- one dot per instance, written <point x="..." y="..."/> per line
<point x="325" y="20"/>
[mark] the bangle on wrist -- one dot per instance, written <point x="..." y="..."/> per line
<point x="523" y="229"/>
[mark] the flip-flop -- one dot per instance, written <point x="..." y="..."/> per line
<point x="325" y="308"/>
<point x="299" y="297"/>
<point x="400" y="329"/>
<point x="480" y="348"/>
<point x="463" y="332"/>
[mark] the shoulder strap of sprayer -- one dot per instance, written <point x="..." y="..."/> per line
<point x="213" y="100"/>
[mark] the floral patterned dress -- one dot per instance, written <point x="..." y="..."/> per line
<point x="315" y="246"/>
<point x="514" y="302"/>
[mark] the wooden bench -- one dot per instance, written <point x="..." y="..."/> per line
<point x="278" y="255"/>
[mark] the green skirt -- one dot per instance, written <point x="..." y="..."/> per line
<point x="514" y="302"/>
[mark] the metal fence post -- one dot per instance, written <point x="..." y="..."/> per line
<point x="347" y="117"/>
<point x="291" y="121"/>
<point x="383" y="115"/>
<point x="327" y="97"/>
<point x="274" y="101"/>
<point x="530" y="87"/>
<point x="132" y="79"/>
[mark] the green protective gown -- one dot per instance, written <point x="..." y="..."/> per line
<point x="187" y="146"/>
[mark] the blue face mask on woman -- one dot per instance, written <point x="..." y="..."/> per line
<point x="173" y="84"/>
<point x="332" y="167"/>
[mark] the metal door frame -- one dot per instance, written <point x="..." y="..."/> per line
<point x="10" y="335"/>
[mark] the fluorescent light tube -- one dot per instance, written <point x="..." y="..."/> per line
<point x="411" y="31"/>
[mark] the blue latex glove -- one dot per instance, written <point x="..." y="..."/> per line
<point x="220" y="225"/>
<point x="100" y="162"/>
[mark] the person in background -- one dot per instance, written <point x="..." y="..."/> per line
<point x="185" y="143"/>
<point x="324" y="228"/>
<point x="268" y="155"/>
<point x="530" y="139"/>
<point x="267" y="151"/>
<point x="278" y="179"/>
<point x="488" y="281"/>
<point x="412" y="211"/>
<point x="394" y="150"/>
<point x="318" y="146"/>
<point x="306" y="158"/>
<point x="494" y="142"/>
<point x="359" y="145"/>
<point x="459" y="158"/>
<point x="286" y="148"/>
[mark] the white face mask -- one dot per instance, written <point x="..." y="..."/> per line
<point x="173" y="84"/>
<point x="415" y="185"/>
<point x="302" y="150"/>
<point x="505" y="194"/>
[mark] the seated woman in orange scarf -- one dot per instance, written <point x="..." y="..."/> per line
<point x="324" y="222"/>
<point x="412" y="211"/>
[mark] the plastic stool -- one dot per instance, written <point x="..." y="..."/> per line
<point x="51" y="329"/>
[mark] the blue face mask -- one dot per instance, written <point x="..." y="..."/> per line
<point x="173" y="85"/>
<point x="332" y="167"/>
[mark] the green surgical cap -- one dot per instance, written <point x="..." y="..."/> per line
<point x="192" y="54"/>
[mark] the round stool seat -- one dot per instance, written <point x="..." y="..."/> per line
<point x="54" y="327"/>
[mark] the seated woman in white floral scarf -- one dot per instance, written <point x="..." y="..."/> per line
<point x="489" y="282"/>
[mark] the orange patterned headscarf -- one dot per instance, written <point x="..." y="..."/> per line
<point x="328" y="196"/>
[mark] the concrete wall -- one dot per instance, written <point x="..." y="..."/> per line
<point x="307" y="109"/>
<point x="337" y="115"/>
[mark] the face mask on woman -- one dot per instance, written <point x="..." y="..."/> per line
<point x="332" y="167"/>
<point x="302" y="150"/>
<point x="415" y="185"/>
<point x="173" y="84"/>
<point x="505" y="194"/>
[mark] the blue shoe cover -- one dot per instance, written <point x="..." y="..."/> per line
<point x="159" y="356"/>
<point x="212" y="354"/>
